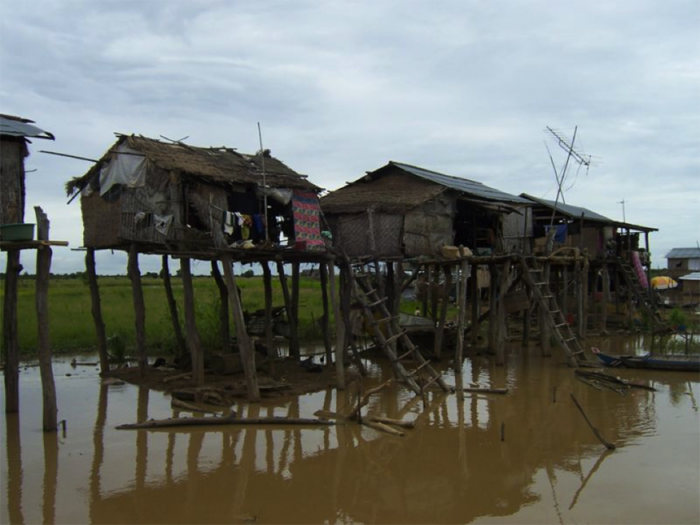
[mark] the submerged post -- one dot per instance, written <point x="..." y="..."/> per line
<point x="43" y="267"/>
<point x="139" y="308"/>
<point x="244" y="343"/>
<point x="193" y="341"/>
<point x="97" y="310"/>
<point x="9" y="332"/>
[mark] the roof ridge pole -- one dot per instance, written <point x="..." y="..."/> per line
<point x="262" y="161"/>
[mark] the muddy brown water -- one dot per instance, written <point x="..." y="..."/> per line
<point x="524" y="457"/>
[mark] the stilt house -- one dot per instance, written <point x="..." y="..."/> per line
<point x="400" y="210"/>
<point x="15" y="133"/>
<point x="174" y="198"/>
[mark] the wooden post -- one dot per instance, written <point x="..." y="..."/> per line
<point x="97" y="310"/>
<point x="43" y="268"/>
<point x="434" y="295"/>
<point x="269" y="339"/>
<point x="139" y="308"/>
<point x="10" y="341"/>
<point x="502" y="316"/>
<point x="294" y="334"/>
<point x="493" y="309"/>
<point x="545" y="331"/>
<point x="391" y="288"/>
<point x="565" y="292"/>
<point x="289" y="308"/>
<point x="323" y="269"/>
<point x="584" y="297"/>
<point x="462" y="307"/>
<point x="475" y="305"/>
<point x="224" y="329"/>
<point x="244" y="343"/>
<point x="193" y="341"/>
<point x="339" y="330"/>
<point x="580" y="309"/>
<point x="445" y="299"/>
<point x="605" y="300"/>
<point x="172" y="307"/>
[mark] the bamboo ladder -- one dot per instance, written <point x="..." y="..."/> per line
<point x="545" y="299"/>
<point x="386" y="330"/>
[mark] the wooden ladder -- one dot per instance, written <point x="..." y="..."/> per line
<point x="410" y="365"/>
<point x="542" y="295"/>
<point x="642" y="296"/>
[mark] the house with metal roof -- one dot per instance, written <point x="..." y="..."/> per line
<point x="401" y="210"/>
<point x="575" y="226"/>
<point x="15" y="134"/>
<point x="683" y="260"/>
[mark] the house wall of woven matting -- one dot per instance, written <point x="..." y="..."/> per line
<point x="209" y="203"/>
<point x="12" y="181"/>
<point x="101" y="220"/>
<point x="369" y="234"/>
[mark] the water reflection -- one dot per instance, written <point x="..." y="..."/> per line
<point x="527" y="456"/>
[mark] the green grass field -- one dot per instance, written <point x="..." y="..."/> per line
<point x="72" y="328"/>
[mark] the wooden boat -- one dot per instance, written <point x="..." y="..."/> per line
<point x="656" y="362"/>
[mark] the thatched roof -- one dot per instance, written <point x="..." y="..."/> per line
<point x="397" y="187"/>
<point x="215" y="165"/>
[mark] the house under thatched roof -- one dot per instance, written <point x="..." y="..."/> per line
<point x="172" y="197"/>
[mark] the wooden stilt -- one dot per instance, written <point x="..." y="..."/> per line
<point x="43" y="269"/>
<point x="339" y="330"/>
<point x="50" y="482"/>
<point x="224" y="329"/>
<point x="545" y="330"/>
<point x="475" y="306"/>
<point x="97" y="310"/>
<point x="172" y="307"/>
<point x="193" y="341"/>
<point x="504" y="277"/>
<point x="444" y="300"/>
<point x="323" y="269"/>
<point x="269" y="339"/>
<point x="605" y="300"/>
<point x="565" y="292"/>
<point x="462" y="307"/>
<point x="139" y="309"/>
<point x="10" y="341"/>
<point x="289" y="308"/>
<point x="434" y="288"/>
<point x="493" y="309"/>
<point x="244" y="343"/>
<point x="294" y="334"/>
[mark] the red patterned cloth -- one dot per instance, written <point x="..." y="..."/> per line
<point x="307" y="223"/>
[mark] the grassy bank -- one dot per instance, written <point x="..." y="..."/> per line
<point x="72" y="328"/>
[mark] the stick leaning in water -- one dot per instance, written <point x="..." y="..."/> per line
<point x="216" y="421"/>
<point x="607" y="444"/>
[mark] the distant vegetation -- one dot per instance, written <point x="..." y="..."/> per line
<point x="72" y="328"/>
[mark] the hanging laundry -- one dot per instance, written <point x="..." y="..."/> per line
<point x="245" y="227"/>
<point x="259" y="223"/>
<point x="229" y="223"/>
<point x="162" y="223"/>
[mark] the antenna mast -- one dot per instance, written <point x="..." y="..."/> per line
<point x="262" y="162"/>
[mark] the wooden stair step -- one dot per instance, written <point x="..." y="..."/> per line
<point x="416" y="370"/>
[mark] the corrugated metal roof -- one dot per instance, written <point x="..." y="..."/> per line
<point x="470" y="187"/>
<point x="695" y="276"/>
<point x="575" y="212"/>
<point x="21" y="127"/>
<point x="683" y="253"/>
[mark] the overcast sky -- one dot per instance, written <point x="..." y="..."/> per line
<point x="465" y="88"/>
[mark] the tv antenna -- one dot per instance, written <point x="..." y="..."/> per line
<point x="623" y="210"/>
<point x="571" y="156"/>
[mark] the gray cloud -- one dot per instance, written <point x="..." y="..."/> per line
<point x="341" y="87"/>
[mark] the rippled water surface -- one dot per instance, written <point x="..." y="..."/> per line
<point x="525" y="457"/>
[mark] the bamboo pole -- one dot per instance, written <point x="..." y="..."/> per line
<point x="139" y="308"/>
<point x="605" y="300"/>
<point x="155" y="424"/>
<point x="97" y="310"/>
<point x="444" y="300"/>
<point x="545" y="330"/>
<point x="193" y="341"/>
<point x="289" y="308"/>
<point x="462" y="307"/>
<point x="608" y="445"/>
<point x="294" y="328"/>
<point x="475" y="305"/>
